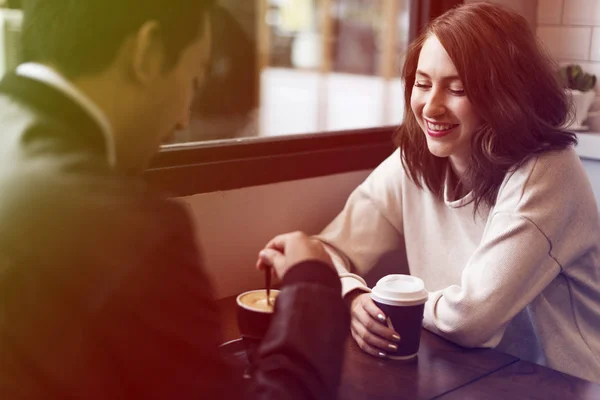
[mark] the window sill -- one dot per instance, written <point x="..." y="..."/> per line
<point x="187" y="169"/>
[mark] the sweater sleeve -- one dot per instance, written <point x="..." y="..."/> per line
<point x="544" y="220"/>
<point x="512" y="266"/>
<point x="369" y="227"/>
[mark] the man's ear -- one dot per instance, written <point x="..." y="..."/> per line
<point x="147" y="53"/>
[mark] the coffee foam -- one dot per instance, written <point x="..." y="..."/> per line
<point x="256" y="300"/>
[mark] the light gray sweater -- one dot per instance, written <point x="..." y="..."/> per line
<point x="523" y="276"/>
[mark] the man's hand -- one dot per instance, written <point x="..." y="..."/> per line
<point x="285" y="251"/>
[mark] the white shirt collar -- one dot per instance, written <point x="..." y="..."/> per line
<point x="47" y="75"/>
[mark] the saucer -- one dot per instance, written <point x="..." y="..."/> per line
<point x="234" y="351"/>
<point x="235" y="354"/>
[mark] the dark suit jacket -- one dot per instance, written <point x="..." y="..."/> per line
<point x="102" y="294"/>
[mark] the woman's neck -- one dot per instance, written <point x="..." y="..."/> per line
<point x="458" y="185"/>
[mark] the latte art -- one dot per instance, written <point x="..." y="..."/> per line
<point x="257" y="300"/>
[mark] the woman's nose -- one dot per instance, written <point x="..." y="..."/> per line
<point x="434" y="105"/>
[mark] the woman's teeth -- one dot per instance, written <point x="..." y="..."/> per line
<point x="440" y="127"/>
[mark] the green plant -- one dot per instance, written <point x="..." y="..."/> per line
<point x="572" y="77"/>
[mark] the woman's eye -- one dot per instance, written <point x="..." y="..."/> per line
<point x="421" y="85"/>
<point x="458" y="92"/>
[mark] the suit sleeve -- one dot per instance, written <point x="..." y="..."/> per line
<point x="302" y="353"/>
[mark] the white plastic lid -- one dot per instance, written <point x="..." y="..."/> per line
<point x="401" y="290"/>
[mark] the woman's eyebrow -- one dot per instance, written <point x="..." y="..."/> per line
<point x="444" y="78"/>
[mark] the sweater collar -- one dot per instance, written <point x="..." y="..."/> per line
<point x="457" y="203"/>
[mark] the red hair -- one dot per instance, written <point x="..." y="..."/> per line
<point x="512" y="85"/>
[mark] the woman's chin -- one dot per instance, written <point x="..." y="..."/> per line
<point x="439" y="151"/>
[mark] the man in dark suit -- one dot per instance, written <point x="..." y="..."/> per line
<point x="102" y="292"/>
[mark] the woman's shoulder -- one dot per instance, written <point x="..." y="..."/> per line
<point x="554" y="177"/>
<point x="553" y="192"/>
<point x="557" y="166"/>
<point x="389" y="172"/>
<point x="386" y="184"/>
<point x="391" y="176"/>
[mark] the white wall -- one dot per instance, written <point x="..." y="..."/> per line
<point x="592" y="168"/>
<point x="234" y="225"/>
<point x="526" y="8"/>
<point x="571" y="31"/>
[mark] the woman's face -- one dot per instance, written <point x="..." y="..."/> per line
<point x="441" y="106"/>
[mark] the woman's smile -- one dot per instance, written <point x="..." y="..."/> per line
<point x="438" y="130"/>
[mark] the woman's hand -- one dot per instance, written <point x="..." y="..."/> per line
<point x="368" y="329"/>
<point x="285" y="251"/>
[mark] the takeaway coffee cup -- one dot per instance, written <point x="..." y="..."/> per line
<point x="254" y="313"/>
<point x="402" y="298"/>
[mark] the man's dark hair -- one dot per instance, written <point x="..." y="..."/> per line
<point x="83" y="37"/>
<point x="14" y="3"/>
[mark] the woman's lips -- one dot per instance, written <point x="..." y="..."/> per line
<point x="437" y="132"/>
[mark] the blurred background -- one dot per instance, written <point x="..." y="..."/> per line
<point x="283" y="67"/>
<point x="289" y="67"/>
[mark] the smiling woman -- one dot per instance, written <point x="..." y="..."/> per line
<point x="488" y="198"/>
<point x="505" y="113"/>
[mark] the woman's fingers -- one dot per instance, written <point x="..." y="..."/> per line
<point x="373" y="343"/>
<point x="365" y="346"/>
<point x="373" y="319"/>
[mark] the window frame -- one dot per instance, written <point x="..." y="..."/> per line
<point x="202" y="167"/>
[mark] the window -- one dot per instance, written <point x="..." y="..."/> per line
<point x="283" y="67"/>
<point x="10" y="31"/>
<point x="297" y="89"/>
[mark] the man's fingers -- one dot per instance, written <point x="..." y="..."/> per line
<point x="266" y="257"/>
<point x="279" y="242"/>
<point x="270" y="258"/>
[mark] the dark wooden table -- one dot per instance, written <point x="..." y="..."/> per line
<point x="443" y="370"/>
<point x="524" y="380"/>
<point x="439" y="368"/>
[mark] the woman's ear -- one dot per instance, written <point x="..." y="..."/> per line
<point x="147" y="54"/>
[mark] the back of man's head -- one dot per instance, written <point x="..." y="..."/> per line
<point x="81" y="37"/>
